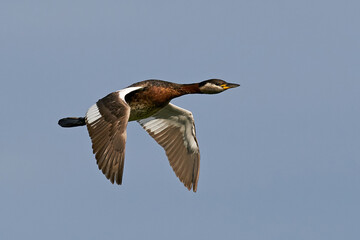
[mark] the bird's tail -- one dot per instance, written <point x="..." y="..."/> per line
<point x="72" y="122"/>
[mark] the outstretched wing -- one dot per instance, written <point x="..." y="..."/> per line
<point x="173" y="128"/>
<point x="106" y="122"/>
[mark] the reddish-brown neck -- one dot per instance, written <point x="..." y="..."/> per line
<point x="167" y="93"/>
<point x="189" y="88"/>
<point x="159" y="93"/>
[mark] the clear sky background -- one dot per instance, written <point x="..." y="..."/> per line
<point x="280" y="155"/>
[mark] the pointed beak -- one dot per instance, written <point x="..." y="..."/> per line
<point x="229" y="85"/>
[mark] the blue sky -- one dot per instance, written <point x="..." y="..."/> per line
<point x="279" y="155"/>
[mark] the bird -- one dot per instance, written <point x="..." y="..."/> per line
<point x="148" y="103"/>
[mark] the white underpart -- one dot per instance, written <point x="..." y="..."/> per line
<point x="183" y="120"/>
<point x="93" y="114"/>
<point x="123" y="92"/>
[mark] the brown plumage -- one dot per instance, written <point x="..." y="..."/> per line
<point x="147" y="102"/>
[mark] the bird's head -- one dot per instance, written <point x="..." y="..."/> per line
<point x="213" y="86"/>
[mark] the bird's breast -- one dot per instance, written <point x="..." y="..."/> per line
<point x="141" y="111"/>
<point x="146" y="102"/>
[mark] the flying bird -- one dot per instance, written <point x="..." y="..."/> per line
<point x="148" y="103"/>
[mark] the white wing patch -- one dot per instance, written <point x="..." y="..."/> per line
<point x="123" y="92"/>
<point x="174" y="129"/>
<point x="158" y="125"/>
<point x="183" y="120"/>
<point x="93" y="114"/>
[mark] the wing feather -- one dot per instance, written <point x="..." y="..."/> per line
<point x="106" y="122"/>
<point x="173" y="128"/>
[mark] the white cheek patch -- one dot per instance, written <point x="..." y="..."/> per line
<point x="93" y="114"/>
<point x="212" y="88"/>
